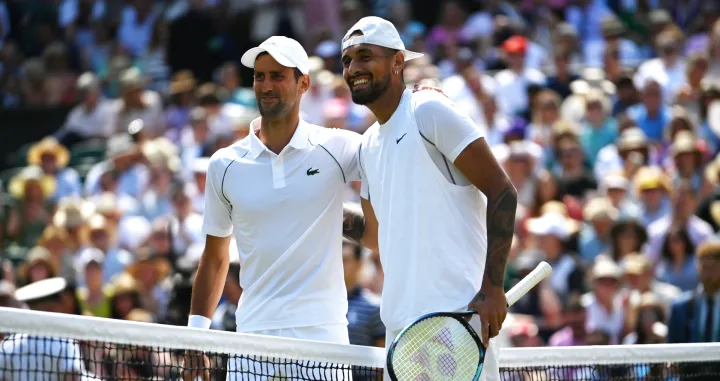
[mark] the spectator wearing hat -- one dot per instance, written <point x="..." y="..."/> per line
<point x="652" y="114"/>
<point x="103" y="237"/>
<point x="165" y="165"/>
<point x="550" y="233"/>
<point x="684" y="203"/>
<point x="612" y="32"/>
<point x="616" y="188"/>
<point x="678" y="263"/>
<point x="151" y="271"/>
<point x="21" y="349"/>
<point x="32" y="209"/>
<point x="71" y="216"/>
<point x="52" y="157"/>
<point x="631" y="151"/>
<point x="688" y="94"/>
<point x="320" y="91"/>
<point x="125" y="161"/>
<point x="646" y="322"/>
<point x="639" y="277"/>
<point x="695" y="317"/>
<point x="604" y="305"/>
<point x="688" y="160"/>
<point x="599" y="127"/>
<point x="182" y="99"/>
<point x="136" y="102"/>
<point x="545" y="114"/>
<point x="125" y="292"/>
<point x="513" y="82"/>
<point x="94" y="297"/>
<point x="519" y="163"/>
<point x="652" y="188"/>
<point x="669" y="69"/>
<point x="594" y="238"/>
<point x="94" y="117"/>
<point x="39" y="265"/>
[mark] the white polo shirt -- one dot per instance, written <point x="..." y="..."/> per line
<point x="286" y="214"/>
<point x="29" y="358"/>
<point x="432" y="228"/>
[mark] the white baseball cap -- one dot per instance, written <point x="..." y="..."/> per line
<point x="380" y="32"/>
<point x="285" y="51"/>
<point x="552" y="224"/>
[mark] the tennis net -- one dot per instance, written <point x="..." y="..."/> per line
<point x="44" y="346"/>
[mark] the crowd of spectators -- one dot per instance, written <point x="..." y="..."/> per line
<point x="605" y="115"/>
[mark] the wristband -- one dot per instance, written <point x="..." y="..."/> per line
<point x="199" y="321"/>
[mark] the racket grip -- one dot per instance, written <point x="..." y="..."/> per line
<point x="542" y="271"/>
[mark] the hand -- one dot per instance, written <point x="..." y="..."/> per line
<point x="196" y="365"/>
<point x="420" y="87"/>
<point x="491" y="305"/>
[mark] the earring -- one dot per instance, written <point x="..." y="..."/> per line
<point x="396" y="72"/>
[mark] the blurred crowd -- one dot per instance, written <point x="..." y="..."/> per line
<point x="604" y="113"/>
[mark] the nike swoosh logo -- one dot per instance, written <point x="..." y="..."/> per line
<point x="397" y="141"/>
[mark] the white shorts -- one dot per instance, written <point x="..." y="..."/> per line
<point x="267" y="369"/>
<point x="491" y="368"/>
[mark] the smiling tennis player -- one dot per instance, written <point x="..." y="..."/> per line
<point x="279" y="191"/>
<point x="425" y="167"/>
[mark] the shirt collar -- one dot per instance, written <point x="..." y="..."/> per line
<point x="299" y="140"/>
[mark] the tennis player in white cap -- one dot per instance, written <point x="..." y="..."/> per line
<point x="25" y="357"/>
<point x="444" y="207"/>
<point x="279" y="191"/>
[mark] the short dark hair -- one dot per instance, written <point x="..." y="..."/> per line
<point x="296" y="72"/>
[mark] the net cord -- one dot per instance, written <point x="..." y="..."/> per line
<point x="85" y="328"/>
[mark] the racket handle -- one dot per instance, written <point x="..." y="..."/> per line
<point x="542" y="271"/>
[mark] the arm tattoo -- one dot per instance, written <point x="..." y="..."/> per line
<point x="353" y="224"/>
<point x="501" y="227"/>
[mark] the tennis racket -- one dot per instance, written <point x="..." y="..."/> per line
<point x="443" y="345"/>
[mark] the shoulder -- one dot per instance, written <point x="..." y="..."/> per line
<point x="535" y="75"/>
<point x="504" y="77"/>
<point x="428" y="103"/>
<point x="224" y="156"/>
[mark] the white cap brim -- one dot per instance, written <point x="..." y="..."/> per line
<point x="248" y="59"/>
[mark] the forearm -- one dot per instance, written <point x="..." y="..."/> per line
<point x="208" y="285"/>
<point x="501" y="228"/>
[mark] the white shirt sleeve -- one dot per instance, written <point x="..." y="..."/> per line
<point x="217" y="219"/>
<point x="349" y="143"/>
<point x="444" y="124"/>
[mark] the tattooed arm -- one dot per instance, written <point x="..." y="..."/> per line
<point x="479" y="165"/>
<point x="360" y="224"/>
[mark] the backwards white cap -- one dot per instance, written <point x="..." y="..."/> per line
<point x="285" y="51"/>
<point x="380" y="32"/>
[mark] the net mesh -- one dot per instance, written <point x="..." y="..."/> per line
<point x="43" y="346"/>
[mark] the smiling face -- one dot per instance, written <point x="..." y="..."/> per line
<point x="278" y="88"/>
<point x="367" y="69"/>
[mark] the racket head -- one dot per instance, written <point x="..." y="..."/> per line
<point x="437" y="346"/>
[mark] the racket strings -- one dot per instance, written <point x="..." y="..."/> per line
<point x="438" y="348"/>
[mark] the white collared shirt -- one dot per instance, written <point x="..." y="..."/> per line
<point x="27" y="358"/>
<point x="285" y="211"/>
